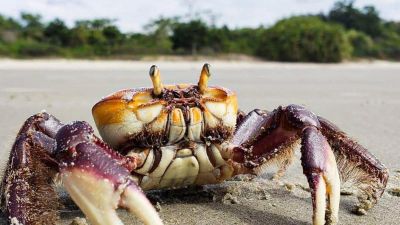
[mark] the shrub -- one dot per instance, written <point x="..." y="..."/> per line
<point x="189" y="37"/>
<point x="29" y="48"/>
<point x="4" y="51"/>
<point x="304" y="38"/>
<point x="363" y="45"/>
<point x="389" y="46"/>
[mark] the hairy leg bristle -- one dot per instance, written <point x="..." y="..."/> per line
<point x="369" y="187"/>
<point x="33" y="182"/>
<point x="282" y="159"/>
<point x="357" y="167"/>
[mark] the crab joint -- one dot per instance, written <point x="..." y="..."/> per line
<point x="156" y="79"/>
<point x="204" y="75"/>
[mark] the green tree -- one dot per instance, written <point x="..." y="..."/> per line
<point x="304" y="38"/>
<point x="10" y="31"/>
<point x="159" y="32"/>
<point x="189" y="37"/>
<point x="393" y="26"/>
<point x="57" y="33"/>
<point x="112" y="34"/>
<point x="218" y="39"/>
<point x="366" y="20"/>
<point x="79" y="35"/>
<point x="9" y="24"/>
<point x="245" y="40"/>
<point x="32" y="26"/>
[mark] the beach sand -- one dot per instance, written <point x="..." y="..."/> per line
<point x="361" y="98"/>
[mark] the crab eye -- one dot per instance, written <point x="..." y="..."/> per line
<point x="156" y="79"/>
<point x="204" y="75"/>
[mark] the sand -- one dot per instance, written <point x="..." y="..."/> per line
<point x="361" y="98"/>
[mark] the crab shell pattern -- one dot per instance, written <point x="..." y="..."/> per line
<point x="177" y="125"/>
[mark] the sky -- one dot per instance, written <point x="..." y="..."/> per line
<point x="132" y="15"/>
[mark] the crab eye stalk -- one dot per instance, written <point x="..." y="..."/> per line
<point x="204" y="75"/>
<point x="156" y="79"/>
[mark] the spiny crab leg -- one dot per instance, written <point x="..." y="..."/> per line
<point x="264" y="137"/>
<point x="98" y="179"/>
<point x="27" y="194"/>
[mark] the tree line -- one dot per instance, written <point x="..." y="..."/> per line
<point x="344" y="32"/>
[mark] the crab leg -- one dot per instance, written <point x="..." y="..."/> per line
<point x="320" y="168"/>
<point x="266" y="137"/>
<point x="356" y="165"/>
<point x="98" y="179"/>
<point x="27" y="194"/>
<point x="263" y="137"/>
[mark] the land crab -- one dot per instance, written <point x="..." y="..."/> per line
<point x="175" y="136"/>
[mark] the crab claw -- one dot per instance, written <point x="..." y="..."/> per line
<point x="320" y="168"/>
<point x="272" y="136"/>
<point x="98" y="179"/>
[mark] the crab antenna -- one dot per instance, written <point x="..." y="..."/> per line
<point x="204" y="75"/>
<point x="156" y="79"/>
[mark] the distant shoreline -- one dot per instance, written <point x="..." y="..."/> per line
<point x="177" y="63"/>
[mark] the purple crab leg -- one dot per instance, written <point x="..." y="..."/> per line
<point x="98" y="178"/>
<point x="320" y="168"/>
<point x="265" y="137"/>
<point x="27" y="191"/>
<point x="370" y="175"/>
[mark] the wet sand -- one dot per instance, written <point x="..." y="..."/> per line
<point x="361" y="98"/>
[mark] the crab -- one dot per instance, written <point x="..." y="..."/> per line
<point x="175" y="136"/>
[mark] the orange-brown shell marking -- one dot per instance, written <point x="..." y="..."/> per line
<point x="131" y="113"/>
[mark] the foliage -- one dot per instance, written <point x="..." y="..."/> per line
<point x="345" y="31"/>
<point x="57" y="33"/>
<point x="32" y="26"/>
<point x="363" y="45"/>
<point x="366" y="20"/>
<point x="30" y="48"/>
<point x="304" y="38"/>
<point x="388" y="47"/>
<point x="159" y="32"/>
<point x="374" y="38"/>
<point x="189" y="37"/>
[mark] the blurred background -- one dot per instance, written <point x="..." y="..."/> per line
<point x="286" y="30"/>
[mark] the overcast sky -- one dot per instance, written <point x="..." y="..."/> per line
<point x="132" y="15"/>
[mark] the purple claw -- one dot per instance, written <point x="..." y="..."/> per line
<point x="98" y="179"/>
<point x="300" y="117"/>
<point x="72" y="134"/>
<point x="263" y="137"/>
<point x="319" y="166"/>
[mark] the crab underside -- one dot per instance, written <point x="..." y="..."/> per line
<point x="170" y="137"/>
